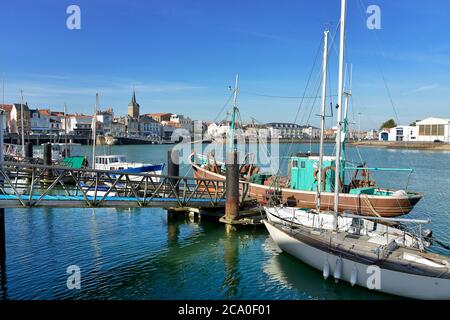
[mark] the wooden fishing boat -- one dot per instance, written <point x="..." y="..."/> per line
<point x="371" y="201"/>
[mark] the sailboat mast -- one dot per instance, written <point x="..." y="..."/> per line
<point x="347" y="95"/>
<point x="233" y="117"/>
<point x="94" y="130"/>
<point x="339" y="114"/>
<point x="322" y="117"/>
<point x="22" y="123"/>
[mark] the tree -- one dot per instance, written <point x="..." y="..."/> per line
<point x="413" y="124"/>
<point x="388" y="124"/>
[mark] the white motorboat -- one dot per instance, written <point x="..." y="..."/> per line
<point x="119" y="163"/>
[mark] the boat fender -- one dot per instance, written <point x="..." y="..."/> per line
<point x="338" y="270"/>
<point x="354" y="276"/>
<point x="326" y="269"/>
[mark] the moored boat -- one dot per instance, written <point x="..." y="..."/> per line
<point x="363" y="251"/>
<point x="372" y="201"/>
<point x="119" y="163"/>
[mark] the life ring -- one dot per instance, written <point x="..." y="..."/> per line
<point x="315" y="174"/>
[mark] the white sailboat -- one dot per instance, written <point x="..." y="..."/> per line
<point x="355" y="249"/>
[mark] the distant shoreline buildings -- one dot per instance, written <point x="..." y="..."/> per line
<point x="155" y="126"/>
<point x="160" y="126"/>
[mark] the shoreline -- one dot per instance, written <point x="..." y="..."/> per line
<point x="402" y="145"/>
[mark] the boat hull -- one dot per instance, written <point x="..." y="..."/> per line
<point x="391" y="282"/>
<point x="392" y="206"/>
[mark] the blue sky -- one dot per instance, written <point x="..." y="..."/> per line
<point x="182" y="55"/>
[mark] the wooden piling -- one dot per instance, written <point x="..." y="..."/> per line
<point x="232" y="187"/>
<point x="173" y="167"/>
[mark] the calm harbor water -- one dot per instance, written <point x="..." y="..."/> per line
<point x="146" y="254"/>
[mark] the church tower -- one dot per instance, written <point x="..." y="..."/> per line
<point x="133" y="107"/>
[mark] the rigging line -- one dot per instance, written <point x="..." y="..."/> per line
<point x="388" y="91"/>
<point x="380" y="48"/>
<point x="306" y="88"/>
<point x="284" y="97"/>
<point x="224" y="106"/>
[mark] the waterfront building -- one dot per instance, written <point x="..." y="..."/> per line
<point x="286" y="130"/>
<point x="43" y="121"/>
<point x="399" y="133"/>
<point x="106" y="118"/>
<point x="180" y="121"/>
<point x="149" y="127"/>
<point x="167" y="132"/>
<point x="118" y="128"/>
<point x="433" y="129"/>
<point x="131" y="125"/>
<point x="79" y="124"/>
<point x="371" y="135"/>
<point x="133" y="107"/>
<point x="311" y="132"/>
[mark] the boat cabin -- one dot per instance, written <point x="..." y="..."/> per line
<point x="114" y="162"/>
<point x="304" y="172"/>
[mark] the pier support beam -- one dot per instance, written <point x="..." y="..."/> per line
<point x="232" y="187"/>
<point x="173" y="167"/>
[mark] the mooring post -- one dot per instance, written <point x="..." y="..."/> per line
<point x="173" y="167"/>
<point x="47" y="154"/>
<point x="29" y="151"/>
<point x="48" y="159"/>
<point x="232" y="187"/>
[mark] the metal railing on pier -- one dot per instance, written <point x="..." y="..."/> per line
<point x="33" y="185"/>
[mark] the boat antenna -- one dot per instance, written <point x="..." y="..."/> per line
<point x="233" y="117"/>
<point x="338" y="170"/>
<point x="322" y="116"/>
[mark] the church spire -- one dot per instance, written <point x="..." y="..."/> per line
<point x="133" y="99"/>
<point x="133" y="106"/>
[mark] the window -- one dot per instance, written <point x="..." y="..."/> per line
<point x="432" y="130"/>
<point x="294" y="164"/>
<point x="303" y="164"/>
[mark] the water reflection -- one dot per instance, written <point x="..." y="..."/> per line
<point x="233" y="276"/>
<point x="307" y="281"/>
<point x="3" y="293"/>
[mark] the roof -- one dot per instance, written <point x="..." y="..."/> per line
<point x="6" y="107"/>
<point x="158" y="114"/>
<point x="44" y="112"/>
<point x="434" y="121"/>
<point x="147" y="119"/>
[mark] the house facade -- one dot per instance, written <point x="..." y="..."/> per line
<point x="400" y="133"/>
<point x="149" y="127"/>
